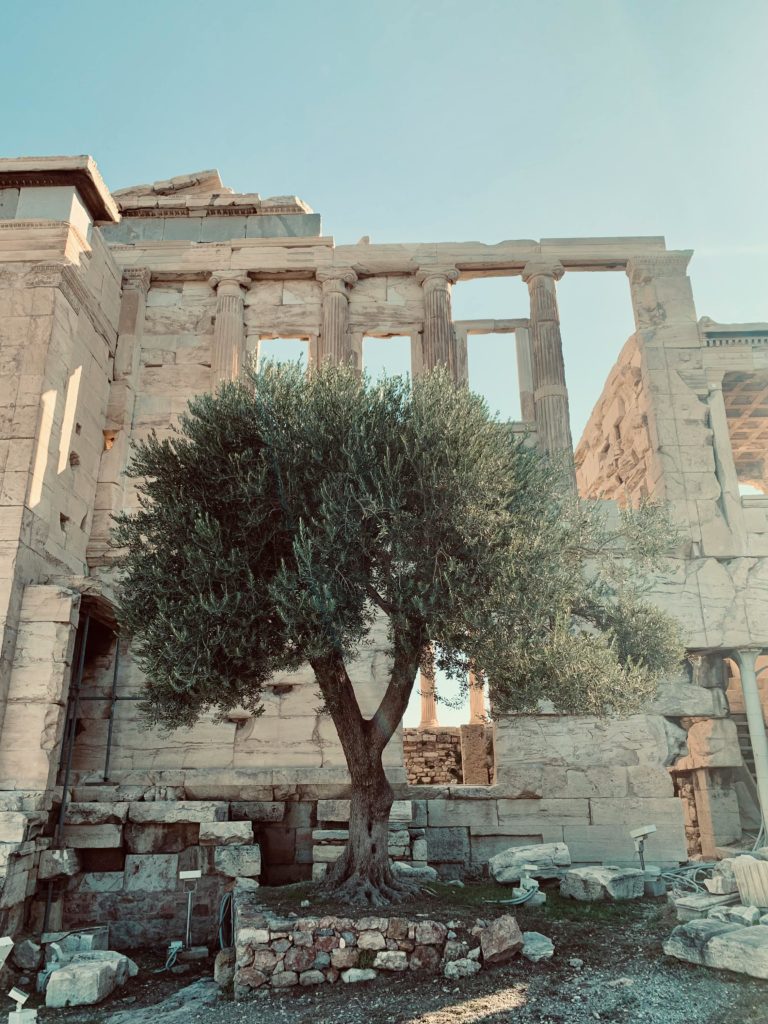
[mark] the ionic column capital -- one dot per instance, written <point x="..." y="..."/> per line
<point x="137" y="279"/>
<point x="336" y="279"/>
<point x="229" y="282"/>
<point x="436" y="277"/>
<point x="553" y="269"/>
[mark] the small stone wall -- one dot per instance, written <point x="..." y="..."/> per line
<point x="282" y="952"/>
<point x="433" y="757"/>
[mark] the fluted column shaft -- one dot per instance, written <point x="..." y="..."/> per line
<point x="439" y="346"/>
<point x="550" y="393"/>
<point x="334" y="344"/>
<point x="229" y="330"/>
<point x="428" y="703"/>
<point x="477" y="714"/>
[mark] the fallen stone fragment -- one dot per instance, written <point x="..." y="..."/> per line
<point x="751" y="876"/>
<point x="537" y="947"/>
<point x="746" y="916"/>
<point x="224" y="967"/>
<point x="27" y="955"/>
<point x="603" y="882"/>
<point x="500" y="940"/>
<point x="699" y="904"/>
<point x="405" y="870"/>
<point x="549" y="860"/>
<point x="576" y="963"/>
<point x="463" y="968"/>
<point x="718" y="944"/>
<point x="88" y="978"/>
<point x="355" y="974"/>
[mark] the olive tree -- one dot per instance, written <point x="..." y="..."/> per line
<point x="290" y="511"/>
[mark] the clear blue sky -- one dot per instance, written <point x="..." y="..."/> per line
<point x="434" y="120"/>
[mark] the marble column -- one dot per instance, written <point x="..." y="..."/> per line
<point x="477" y="715"/>
<point x="525" y="375"/>
<point x="335" y="344"/>
<point x="550" y="394"/>
<point x="746" y="659"/>
<point x="439" y="346"/>
<point x="229" y="330"/>
<point x="428" y="702"/>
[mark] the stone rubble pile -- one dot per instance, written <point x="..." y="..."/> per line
<point x="727" y="926"/>
<point x="282" y="952"/>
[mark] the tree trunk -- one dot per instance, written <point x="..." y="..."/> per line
<point x="363" y="874"/>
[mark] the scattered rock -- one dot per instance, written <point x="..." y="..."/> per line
<point x="537" y="947"/>
<point x="423" y="874"/>
<point x="549" y="860"/>
<point x="355" y="974"/>
<point x="463" y="968"/>
<point x="576" y="963"/>
<point x="603" y="883"/>
<point x="456" y="883"/>
<point x="27" y="955"/>
<point x="224" y="967"/>
<point x="500" y="940"/>
<point x="391" y="960"/>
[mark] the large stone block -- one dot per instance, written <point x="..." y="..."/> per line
<point x="681" y="699"/>
<point x="448" y="845"/>
<point x="225" y="833"/>
<point x="95" y="813"/>
<point x="713" y="743"/>
<point x="603" y="883"/>
<point x="730" y="947"/>
<point x="238" y="861"/>
<point x="92" y="837"/>
<point x="161" y="838"/>
<point x="58" y="864"/>
<point x="549" y="859"/>
<point x="635" y="811"/>
<point x="154" y="872"/>
<point x="575" y="741"/>
<point x="257" y="810"/>
<point x="172" y="811"/>
<point x="480" y="814"/>
<point x="612" y="844"/>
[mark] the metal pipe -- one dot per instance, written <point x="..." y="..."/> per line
<point x="68" y="746"/>
<point x="746" y="660"/>
<point x="73" y="724"/>
<point x="112" y="702"/>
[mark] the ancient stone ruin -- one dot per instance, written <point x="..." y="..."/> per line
<point x="115" y="309"/>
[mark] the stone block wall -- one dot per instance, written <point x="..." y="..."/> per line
<point x="433" y="755"/>
<point x="284" y="952"/>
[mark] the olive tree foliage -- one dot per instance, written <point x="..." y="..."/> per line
<point x="290" y="510"/>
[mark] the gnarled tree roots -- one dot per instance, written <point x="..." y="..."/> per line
<point x="375" y="887"/>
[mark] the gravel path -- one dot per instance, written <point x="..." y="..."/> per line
<point x="624" y="977"/>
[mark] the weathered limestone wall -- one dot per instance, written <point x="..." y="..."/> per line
<point x="291" y="734"/>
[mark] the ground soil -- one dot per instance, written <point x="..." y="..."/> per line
<point x="625" y="975"/>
